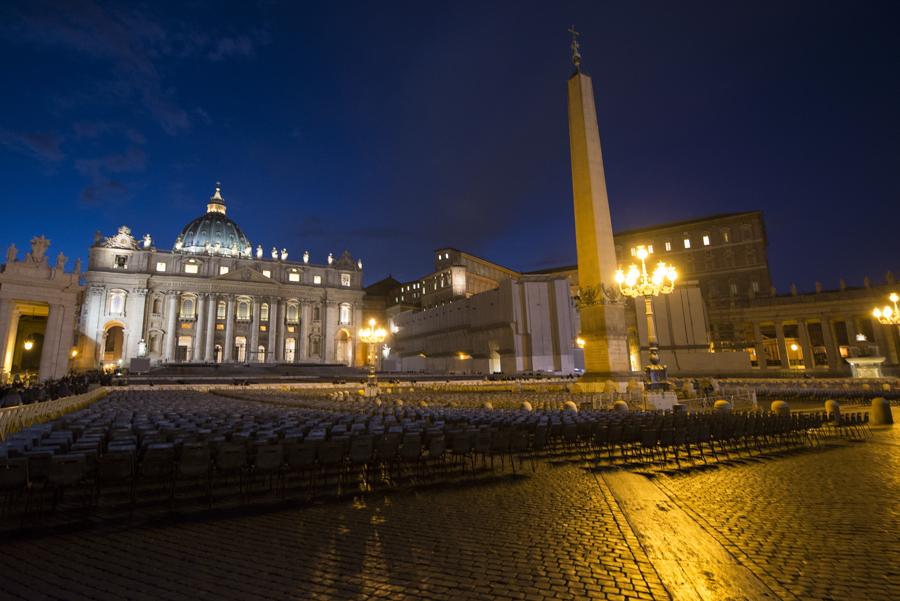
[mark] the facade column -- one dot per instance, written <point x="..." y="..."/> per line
<point x="228" y="349"/>
<point x="273" y="330"/>
<point x="279" y="345"/>
<point x="52" y="341"/>
<point x="329" y="317"/>
<point x="831" y="349"/>
<point x="782" y="347"/>
<point x="806" y="346"/>
<point x="852" y="330"/>
<point x="199" y="327"/>
<point x="252" y="355"/>
<point x="171" y="333"/>
<point x="881" y="341"/>
<point x="6" y="332"/>
<point x="135" y="313"/>
<point x="761" y="360"/>
<point x="211" y="311"/>
<point x="303" y="346"/>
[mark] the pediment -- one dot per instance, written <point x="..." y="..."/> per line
<point x="245" y="275"/>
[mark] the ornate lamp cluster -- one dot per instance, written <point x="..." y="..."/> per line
<point x="888" y="315"/>
<point x="640" y="283"/>
<point x="373" y="335"/>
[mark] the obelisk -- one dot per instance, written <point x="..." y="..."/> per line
<point x="601" y="308"/>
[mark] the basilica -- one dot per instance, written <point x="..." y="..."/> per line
<point x="214" y="298"/>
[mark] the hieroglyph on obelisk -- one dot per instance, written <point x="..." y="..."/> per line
<point x="601" y="308"/>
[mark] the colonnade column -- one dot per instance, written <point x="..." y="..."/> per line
<point x="303" y="346"/>
<point x="252" y="355"/>
<point x="831" y="350"/>
<point x="761" y="360"/>
<point x="211" y="311"/>
<point x="199" y="326"/>
<point x="805" y="344"/>
<point x="273" y="330"/>
<point x="6" y="332"/>
<point x="228" y="349"/>
<point x="50" y="351"/>
<point x="280" y="318"/>
<point x="171" y="333"/>
<point x="782" y="347"/>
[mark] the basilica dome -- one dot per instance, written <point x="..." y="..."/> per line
<point x="213" y="232"/>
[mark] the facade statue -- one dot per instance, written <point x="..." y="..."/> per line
<point x="306" y="256"/>
<point x="148" y="241"/>
<point x="274" y="254"/>
<point x="11" y="253"/>
<point x="39" y="246"/>
<point x="61" y="260"/>
<point x="284" y="254"/>
<point x="123" y="239"/>
<point x="77" y="266"/>
<point x="330" y="258"/>
<point x="259" y="251"/>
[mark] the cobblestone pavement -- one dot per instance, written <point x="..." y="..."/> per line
<point x="817" y="525"/>
<point x="812" y="525"/>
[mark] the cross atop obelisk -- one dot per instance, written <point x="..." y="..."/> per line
<point x="601" y="312"/>
<point x="576" y="55"/>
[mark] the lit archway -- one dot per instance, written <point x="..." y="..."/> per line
<point x="343" y="347"/>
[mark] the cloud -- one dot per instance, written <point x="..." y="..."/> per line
<point x="43" y="146"/>
<point x="132" y="160"/>
<point x="103" y="192"/>
<point x="98" y="129"/>
<point x="226" y="47"/>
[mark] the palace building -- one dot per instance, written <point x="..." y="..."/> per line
<point x="213" y="298"/>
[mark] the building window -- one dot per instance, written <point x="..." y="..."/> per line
<point x="668" y="246"/>
<point x="650" y="248"/>
<point x="187" y="308"/>
<point x="746" y="232"/>
<point x="316" y="313"/>
<point x="264" y="312"/>
<point x="220" y="310"/>
<point x="687" y="242"/>
<point x="292" y="314"/>
<point x="755" y="286"/>
<point x="157" y="306"/>
<point x="267" y="273"/>
<point x="121" y="262"/>
<point x="726" y="235"/>
<point x="116" y="302"/>
<point x="345" y="279"/>
<point x="705" y="239"/>
<point x="223" y="269"/>
<point x="191" y="267"/>
<point x="160" y="266"/>
<point x="317" y="279"/>
<point x="345" y="314"/>
<point x="733" y="289"/>
<point x="243" y="311"/>
<point x="633" y="251"/>
<point x="293" y="276"/>
<point x="315" y="346"/>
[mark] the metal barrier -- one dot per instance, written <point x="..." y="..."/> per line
<point x="14" y="419"/>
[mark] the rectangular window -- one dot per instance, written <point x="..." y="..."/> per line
<point x="223" y="270"/>
<point x="121" y="262"/>
<point x="161" y="266"/>
<point x="317" y="279"/>
<point x="220" y="326"/>
<point x="687" y="242"/>
<point x="668" y="246"/>
<point x="293" y="277"/>
<point x="267" y="273"/>
<point x="705" y="239"/>
<point x="650" y="249"/>
<point x="754" y="285"/>
<point x="191" y="268"/>
<point x="345" y="279"/>
<point x="733" y="289"/>
<point x="726" y="236"/>
<point x="345" y="315"/>
<point x="633" y="251"/>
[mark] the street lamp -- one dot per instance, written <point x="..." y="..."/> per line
<point x="372" y="336"/>
<point x="886" y="314"/>
<point x="638" y="283"/>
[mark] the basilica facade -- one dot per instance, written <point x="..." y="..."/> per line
<point x="214" y="298"/>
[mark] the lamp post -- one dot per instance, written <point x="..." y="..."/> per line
<point x="373" y="336"/>
<point x="888" y="315"/>
<point x="638" y="283"/>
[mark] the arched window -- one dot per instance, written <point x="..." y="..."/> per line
<point x="220" y="310"/>
<point x="264" y="312"/>
<point x="116" y="302"/>
<point x="344" y="314"/>
<point x="154" y="342"/>
<point x="243" y="311"/>
<point x="261" y="354"/>
<point x="316" y="313"/>
<point x="187" y="308"/>
<point x="157" y="306"/>
<point x="292" y="314"/>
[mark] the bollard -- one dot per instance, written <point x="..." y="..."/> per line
<point x="780" y="408"/>
<point x="620" y="406"/>
<point x="570" y="406"/>
<point x="526" y="406"/>
<point x="881" y="412"/>
<point x="722" y="406"/>
<point x="833" y="411"/>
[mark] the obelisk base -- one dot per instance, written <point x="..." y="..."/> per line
<point x="605" y="346"/>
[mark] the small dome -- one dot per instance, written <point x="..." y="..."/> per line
<point x="214" y="232"/>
